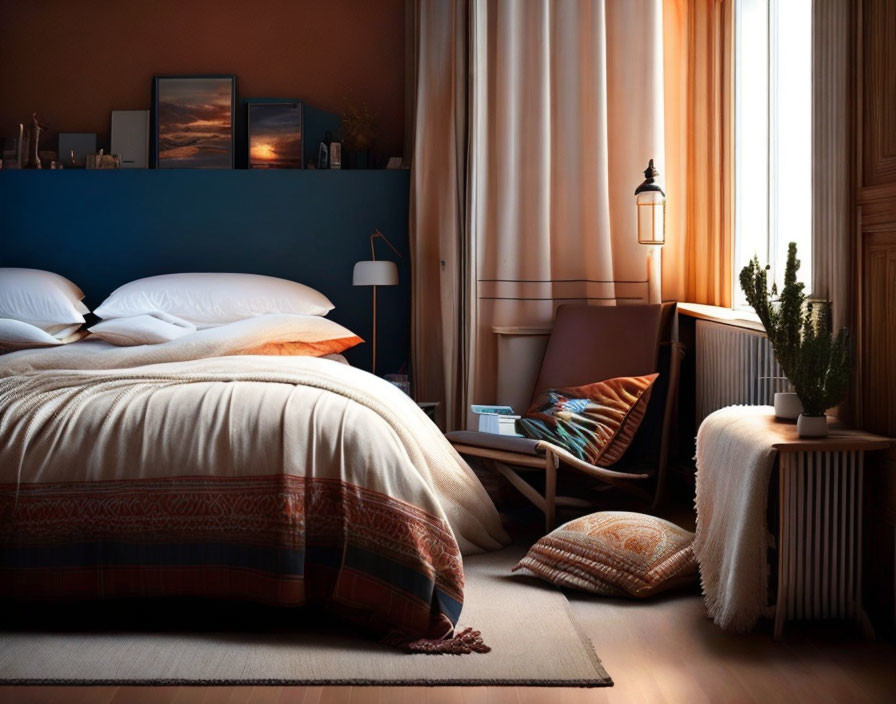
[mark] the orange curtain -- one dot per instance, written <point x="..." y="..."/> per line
<point x="698" y="48"/>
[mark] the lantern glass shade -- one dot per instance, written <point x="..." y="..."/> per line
<point x="651" y="217"/>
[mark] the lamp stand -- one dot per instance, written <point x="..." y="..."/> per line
<point x="373" y="350"/>
<point x="377" y="235"/>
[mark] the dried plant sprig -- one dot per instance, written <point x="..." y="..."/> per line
<point x="358" y="126"/>
<point x="816" y="362"/>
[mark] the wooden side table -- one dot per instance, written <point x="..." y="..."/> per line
<point x="429" y="408"/>
<point x="820" y="524"/>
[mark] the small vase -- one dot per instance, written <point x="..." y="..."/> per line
<point x="787" y="405"/>
<point x="812" y="426"/>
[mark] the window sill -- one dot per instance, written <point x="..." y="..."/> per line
<point x="737" y="318"/>
<point x="746" y="319"/>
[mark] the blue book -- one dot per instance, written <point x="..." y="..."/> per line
<point x="492" y="410"/>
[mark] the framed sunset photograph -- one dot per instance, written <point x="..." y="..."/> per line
<point x="275" y="134"/>
<point x="194" y="121"/>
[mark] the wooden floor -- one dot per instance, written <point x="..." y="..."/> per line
<point x="659" y="650"/>
<point x="656" y="651"/>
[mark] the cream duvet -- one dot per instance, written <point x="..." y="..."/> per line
<point x="187" y="469"/>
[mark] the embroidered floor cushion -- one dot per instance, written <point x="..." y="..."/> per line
<point x="614" y="553"/>
<point x="596" y="422"/>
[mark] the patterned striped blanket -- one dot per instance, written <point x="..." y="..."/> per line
<point x="282" y="480"/>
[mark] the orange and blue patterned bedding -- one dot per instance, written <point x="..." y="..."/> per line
<point x="285" y="541"/>
<point x="282" y="480"/>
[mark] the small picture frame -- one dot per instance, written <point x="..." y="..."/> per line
<point x="75" y="147"/>
<point x="193" y="121"/>
<point x="275" y="132"/>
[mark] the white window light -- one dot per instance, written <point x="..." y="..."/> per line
<point x="773" y="136"/>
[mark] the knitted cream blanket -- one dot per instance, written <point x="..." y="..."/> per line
<point x="734" y="464"/>
<point x="92" y="412"/>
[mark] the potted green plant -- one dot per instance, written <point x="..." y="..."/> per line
<point x="815" y="361"/>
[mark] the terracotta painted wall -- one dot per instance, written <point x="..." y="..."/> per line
<point x="74" y="61"/>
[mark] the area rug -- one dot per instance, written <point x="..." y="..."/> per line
<point x="528" y="625"/>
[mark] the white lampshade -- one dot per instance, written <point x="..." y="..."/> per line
<point x="375" y="273"/>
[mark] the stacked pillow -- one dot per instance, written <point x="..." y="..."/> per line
<point x="38" y="308"/>
<point x="158" y="309"/>
<point x="207" y="300"/>
<point x="143" y="329"/>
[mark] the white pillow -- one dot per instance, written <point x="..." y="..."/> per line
<point x="16" y="335"/>
<point x="207" y="300"/>
<point x="142" y="329"/>
<point x="60" y="332"/>
<point x="40" y="298"/>
<point x="291" y="335"/>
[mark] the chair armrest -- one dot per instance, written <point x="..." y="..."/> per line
<point x="594" y="470"/>
<point x="469" y="440"/>
<point x="492" y="441"/>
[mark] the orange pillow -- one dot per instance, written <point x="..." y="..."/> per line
<point x="595" y="422"/>
<point x="615" y="553"/>
<point x="321" y="348"/>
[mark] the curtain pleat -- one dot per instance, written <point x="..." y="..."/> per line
<point x="438" y="212"/>
<point x="699" y="138"/>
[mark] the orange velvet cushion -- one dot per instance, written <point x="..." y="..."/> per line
<point x="596" y="422"/>
<point x="321" y="348"/>
<point x="615" y="553"/>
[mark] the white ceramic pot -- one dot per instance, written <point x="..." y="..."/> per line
<point x="812" y="426"/>
<point x="787" y="405"/>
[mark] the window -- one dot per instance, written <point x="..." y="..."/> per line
<point x="773" y="136"/>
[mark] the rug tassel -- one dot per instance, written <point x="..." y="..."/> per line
<point x="461" y="643"/>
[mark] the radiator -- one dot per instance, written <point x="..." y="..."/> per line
<point x="820" y="537"/>
<point x="734" y="366"/>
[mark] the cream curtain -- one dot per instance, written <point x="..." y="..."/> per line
<point x="439" y="232"/>
<point x="567" y="108"/>
<point x="699" y="139"/>
<point x="534" y="121"/>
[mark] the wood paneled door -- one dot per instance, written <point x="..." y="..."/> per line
<point x="879" y="330"/>
<point x="878" y="66"/>
<point x="875" y="276"/>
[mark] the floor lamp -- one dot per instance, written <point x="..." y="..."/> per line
<point x="375" y="273"/>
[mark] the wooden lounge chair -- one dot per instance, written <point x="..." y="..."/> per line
<point x="590" y="344"/>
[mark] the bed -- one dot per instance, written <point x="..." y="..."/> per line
<point x="190" y="469"/>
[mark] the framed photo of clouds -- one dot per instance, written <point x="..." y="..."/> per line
<point x="275" y="134"/>
<point x="194" y="121"/>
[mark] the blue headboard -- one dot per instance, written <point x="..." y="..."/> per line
<point x="104" y="228"/>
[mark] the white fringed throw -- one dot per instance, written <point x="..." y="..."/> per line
<point x="734" y="464"/>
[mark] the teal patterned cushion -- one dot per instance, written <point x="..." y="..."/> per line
<point x="596" y="422"/>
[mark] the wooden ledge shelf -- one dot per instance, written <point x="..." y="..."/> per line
<point x="839" y="439"/>
<point x="727" y="316"/>
<point x="200" y="172"/>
